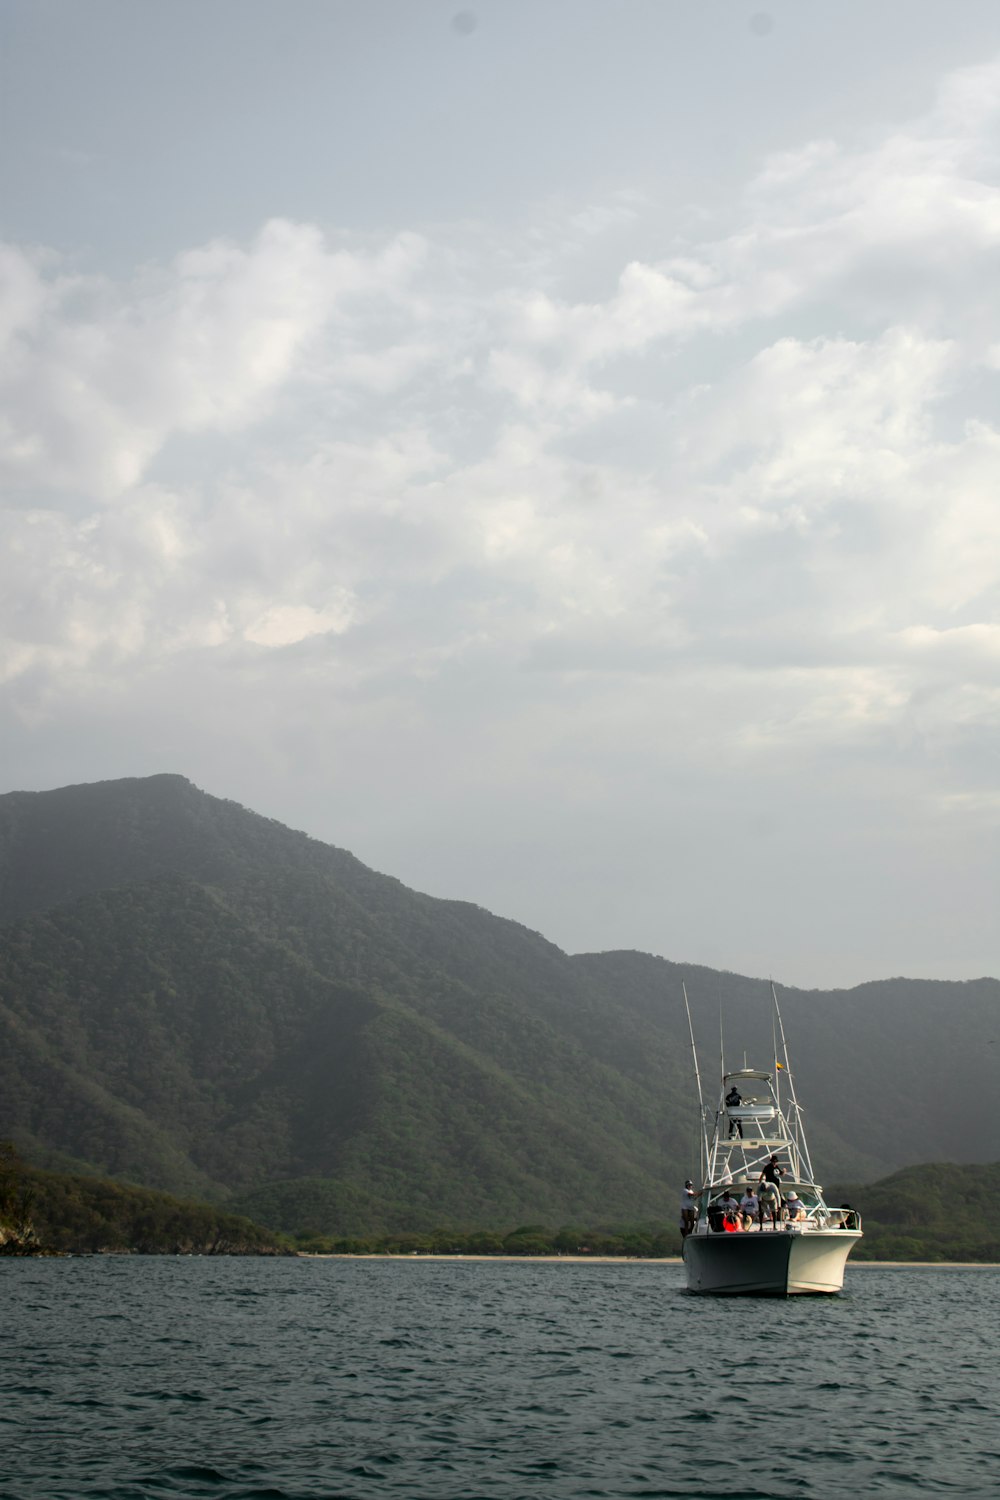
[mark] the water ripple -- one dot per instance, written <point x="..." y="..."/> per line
<point x="143" y="1379"/>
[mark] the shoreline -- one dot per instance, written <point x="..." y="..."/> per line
<point x="643" y="1260"/>
<point x="540" y="1260"/>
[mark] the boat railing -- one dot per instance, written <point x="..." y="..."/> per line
<point x="816" y="1218"/>
<point x="842" y="1218"/>
<point x="821" y="1217"/>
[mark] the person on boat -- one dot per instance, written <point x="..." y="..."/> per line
<point x="689" y="1212"/>
<point x="733" y="1101"/>
<point x="795" y="1208"/>
<point x="750" y="1207"/>
<point x="770" y="1203"/>
<point x="771" y="1173"/>
<point x="730" y="1210"/>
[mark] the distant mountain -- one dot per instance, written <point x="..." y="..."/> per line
<point x="199" y="999"/>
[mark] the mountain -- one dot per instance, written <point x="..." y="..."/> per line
<point x="198" y="999"/>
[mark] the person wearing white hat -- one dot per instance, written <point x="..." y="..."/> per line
<point x="796" y="1208"/>
<point x="770" y="1203"/>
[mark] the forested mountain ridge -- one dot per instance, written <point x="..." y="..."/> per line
<point x="199" y="999"/>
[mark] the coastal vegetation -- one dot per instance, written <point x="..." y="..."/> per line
<point x="636" y="1242"/>
<point x="48" y="1213"/>
<point x="935" y="1212"/>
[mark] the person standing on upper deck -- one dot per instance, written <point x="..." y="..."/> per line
<point x="733" y="1101"/>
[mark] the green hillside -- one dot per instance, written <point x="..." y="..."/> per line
<point x="151" y="1034"/>
<point x="200" y="1000"/>
<point x="48" y="1213"/>
<point x="935" y="1211"/>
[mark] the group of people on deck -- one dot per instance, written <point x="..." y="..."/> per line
<point x="760" y="1202"/>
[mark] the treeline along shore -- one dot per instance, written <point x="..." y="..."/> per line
<point x="48" y="1213"/>
<point x="938" y="1213"/>
<point x="934" y="1214"/>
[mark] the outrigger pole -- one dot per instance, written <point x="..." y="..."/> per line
<point x="722" y="1049"/>
<point x="801" y="1142"/>
<point x="697" y="1075"/>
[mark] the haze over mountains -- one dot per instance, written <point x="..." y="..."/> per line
<point x="199" y="999"/>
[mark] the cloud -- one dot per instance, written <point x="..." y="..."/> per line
<point x="96" y="378"/>
<point x="737" y="501"/>
<point x="892" y="231"/>
<point x="288" y="624"/>
<point x="978" y="642"/>
<point x="813" y="421"/>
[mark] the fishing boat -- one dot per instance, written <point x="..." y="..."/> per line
<point x="797" y="1246"/>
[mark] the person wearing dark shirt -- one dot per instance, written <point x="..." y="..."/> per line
<point x="733" y="1101"/>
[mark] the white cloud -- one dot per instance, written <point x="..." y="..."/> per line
<point x="815" y="421"/>
<point x="96" y="378"/>
<point x="978" y="642"/>
<point x="739" y="505"/>
<point x="288" y="624"/>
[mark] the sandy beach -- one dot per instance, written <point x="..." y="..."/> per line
<point x="556" y="1260"/>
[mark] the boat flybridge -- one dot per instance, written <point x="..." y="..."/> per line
<point x="755" y="1148"/>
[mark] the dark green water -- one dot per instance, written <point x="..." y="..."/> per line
<point x="295" y="1380"/>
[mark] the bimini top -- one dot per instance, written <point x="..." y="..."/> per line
<point x="747" y="1073"/>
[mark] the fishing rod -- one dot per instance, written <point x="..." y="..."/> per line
<point x="697" y="1075"/>
<point x="801" y="1144"/>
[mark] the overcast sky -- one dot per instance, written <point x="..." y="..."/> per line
<point x="550" y="448"/>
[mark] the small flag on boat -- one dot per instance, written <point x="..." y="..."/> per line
<point x="780" y="1066"/>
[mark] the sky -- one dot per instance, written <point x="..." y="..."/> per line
<point x="550" y="448"/>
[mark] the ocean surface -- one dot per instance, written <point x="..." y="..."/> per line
<point x="246" y="1379"/>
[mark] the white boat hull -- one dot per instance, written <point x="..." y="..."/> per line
<point x="768" y="1263"/>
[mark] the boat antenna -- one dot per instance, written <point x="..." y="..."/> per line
<point x="774" y="1051"/>
<point x="791" y="1085"/>
<point x="722" y="1050"/>
<point x="703" y="1165"/>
